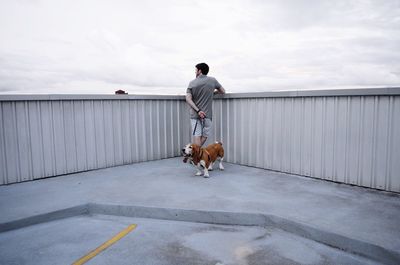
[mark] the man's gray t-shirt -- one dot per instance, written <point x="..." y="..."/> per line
<point x="202" y="90"/>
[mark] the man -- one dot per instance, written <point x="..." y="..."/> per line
<point x="199" y="96"/>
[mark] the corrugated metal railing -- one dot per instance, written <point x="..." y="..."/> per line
<point x="348" y="136"/>
<point x="49" y="136"/>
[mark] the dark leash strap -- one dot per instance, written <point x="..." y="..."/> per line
<point x="202" y="122"/>
<point x="195" y="126"/>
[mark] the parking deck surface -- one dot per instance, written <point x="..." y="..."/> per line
<point x="368" y="216"/>
<point x="159" y="242"/>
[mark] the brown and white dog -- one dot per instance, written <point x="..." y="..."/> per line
<point x="204" y="157"/>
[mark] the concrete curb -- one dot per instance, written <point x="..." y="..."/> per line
<point x="347" y="244"/>
<point x="344" y="243"/>
<point x="44" y="218"/>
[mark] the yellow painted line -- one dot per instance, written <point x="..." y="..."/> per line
<point x="105" y="245"/>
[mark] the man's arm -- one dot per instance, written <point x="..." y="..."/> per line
<point x="220" y="90"/>
<point x="189" y="100"/>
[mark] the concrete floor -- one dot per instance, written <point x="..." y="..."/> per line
<point x="163" y="242"/>
<point x="341" y="213"/>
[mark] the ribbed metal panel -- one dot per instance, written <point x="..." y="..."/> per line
<point x="351" y="138"/>
<point x="348" y="139"/>
<point x="47" y="138"/>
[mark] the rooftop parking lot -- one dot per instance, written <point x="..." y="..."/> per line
<point x="242" y="215"/>
<point x="312" y="178"/>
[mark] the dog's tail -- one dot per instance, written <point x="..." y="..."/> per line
<point x="218" y="142"/>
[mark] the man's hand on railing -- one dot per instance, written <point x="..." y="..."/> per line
<point x="220" y="91"/>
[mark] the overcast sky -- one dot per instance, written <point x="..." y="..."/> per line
<point x="152" y="46"/>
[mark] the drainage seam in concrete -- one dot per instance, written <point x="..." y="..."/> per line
<point x="347" y="244"/>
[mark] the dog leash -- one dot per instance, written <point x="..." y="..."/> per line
<point x="202" y="126"/>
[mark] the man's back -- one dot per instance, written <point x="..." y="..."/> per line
<point x="202" y="90"/>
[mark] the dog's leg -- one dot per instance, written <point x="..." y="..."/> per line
<point x="210" y="168"/>
<point x="191" y="162"/>
<point x="203" y="164"/>
<point x="221" y="167"/>
<point x="198" y="167"/>
<point x="198" y="173"/>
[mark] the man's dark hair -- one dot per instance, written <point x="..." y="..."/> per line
<point x="203" y="67"/>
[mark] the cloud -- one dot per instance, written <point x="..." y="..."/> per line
<point x="152" y="46"/>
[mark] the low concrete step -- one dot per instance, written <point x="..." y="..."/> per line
<point x="335" y="240"/>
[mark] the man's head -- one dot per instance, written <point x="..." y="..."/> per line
<point x="202" y="68"/>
